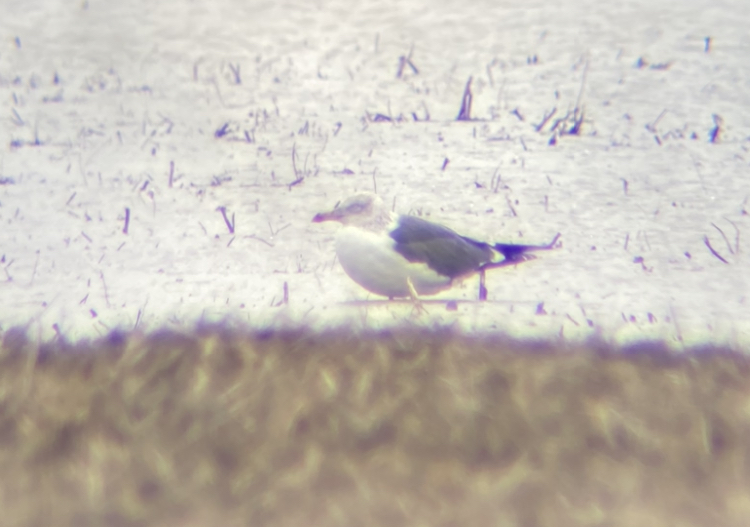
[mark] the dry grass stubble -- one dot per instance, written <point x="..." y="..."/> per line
<point x="402" y="428"/>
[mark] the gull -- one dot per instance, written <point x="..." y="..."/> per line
<point x="397" y="256"/>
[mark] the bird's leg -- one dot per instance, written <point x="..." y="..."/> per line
<point x="514" y="255"/>
<point x="412" y="292"/>
<point x="415" y="297"/>
<point x="482" y="287"/>
<point x="495" y="265"/>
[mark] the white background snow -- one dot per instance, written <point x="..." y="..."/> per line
<point x="99" y="99"/>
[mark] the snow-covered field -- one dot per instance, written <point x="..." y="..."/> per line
<point x="130" y="129"/>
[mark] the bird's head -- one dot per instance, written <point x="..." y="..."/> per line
<point x="362" y="210"/>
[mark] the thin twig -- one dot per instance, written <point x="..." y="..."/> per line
<point x="464" y="113"/>
<point x="716" y="130"/>
<point x="583" y="83"/>
<point x="106" y="293"/>
<point x="546" y="118"/>
<point x="254" y="237"/>
<point x="127" y="221"/>
<point x="510" y="206"/>
<point x="736" y="237"/>
<point x="298" y="178"/>
<point x="405" y="60"/>
<point x="236" y="73"/>
<point x="708" y="244"/>
<point x="230" y="224"/>
<point x="274" y="233"/>
<point x="36" y="264"/>
<point x="651" y="127"/>
<point x="294" y="162"/>
<point x="723" y="236"/>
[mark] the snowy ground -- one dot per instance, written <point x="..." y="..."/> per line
<point x="170" y="110"/>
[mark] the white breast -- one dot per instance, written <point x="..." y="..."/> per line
<point x="369" y="258"/>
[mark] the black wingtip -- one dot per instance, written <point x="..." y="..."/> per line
<point x="513" y="252"/>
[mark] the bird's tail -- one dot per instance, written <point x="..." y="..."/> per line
<point x="517" y="253"/>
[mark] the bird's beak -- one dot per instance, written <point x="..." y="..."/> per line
<point x="323" y="216"/>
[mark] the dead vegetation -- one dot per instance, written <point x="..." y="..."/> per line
<point x="402" y="428"/>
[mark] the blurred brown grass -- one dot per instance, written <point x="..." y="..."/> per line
<point x="338" y="429"/>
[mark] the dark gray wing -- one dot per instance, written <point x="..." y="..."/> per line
<point x="442" y="249"/>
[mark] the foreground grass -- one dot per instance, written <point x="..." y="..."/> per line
<point x="406" y="428"/>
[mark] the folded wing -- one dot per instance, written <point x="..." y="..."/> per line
<point x="441" y="249"/>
